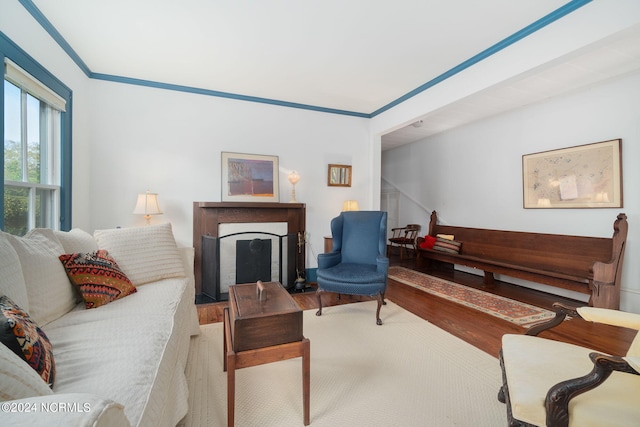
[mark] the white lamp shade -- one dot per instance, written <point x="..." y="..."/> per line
<point x="350" y="205"/>
<point x="147" y="204"/>
<point x="293" y="177"/>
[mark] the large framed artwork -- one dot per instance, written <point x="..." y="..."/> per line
<point x="586" y="176"/>
<point x="249" y="178"/>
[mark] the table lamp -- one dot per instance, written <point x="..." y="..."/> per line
<point x="147" y="205"/>
<point x="293" y="179"/>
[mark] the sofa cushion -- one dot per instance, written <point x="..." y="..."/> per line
<point x="76" y="241"/>
<point x="97" y="276"/>
<point x="17" y="379"/>
<point x="145" y="254"/>
<point x="25" y="338"/>
<point x="130" y="359"/>
<point x="49" y="291"/>
<point x="11" y="278"/>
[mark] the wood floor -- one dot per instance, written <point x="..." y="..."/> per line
<point x="481" y="330"/>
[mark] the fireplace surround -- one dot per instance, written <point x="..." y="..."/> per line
<point x="208" y="216"/>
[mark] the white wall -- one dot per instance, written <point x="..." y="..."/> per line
<point x="473" y="175"/>
<point x="17" y="24"/>
<point x="127" y="139"/>
<point x="170" y="142"/>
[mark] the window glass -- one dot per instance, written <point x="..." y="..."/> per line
<point x="31" y="143"/>
<point x="12" y="139"/>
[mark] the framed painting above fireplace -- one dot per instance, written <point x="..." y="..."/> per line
<point x="249" y="177"/>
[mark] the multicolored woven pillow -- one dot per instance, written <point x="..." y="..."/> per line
<point x="97" y="276"/>
<point x="25" y="338"/>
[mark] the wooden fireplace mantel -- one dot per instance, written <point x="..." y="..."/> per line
<point x="207" y="216"/>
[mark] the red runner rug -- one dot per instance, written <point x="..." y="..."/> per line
<point x="504" y="308"/>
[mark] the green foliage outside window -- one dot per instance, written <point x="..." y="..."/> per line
<point x="16" y="199"/>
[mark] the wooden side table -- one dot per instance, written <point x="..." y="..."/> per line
<point x="328" y="244"/>
<point x="261" y="329"/>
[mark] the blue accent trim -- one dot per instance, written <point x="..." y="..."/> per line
<point x="519" y="35"/>
<point x="311" y="275"/>
<point x="49" y="28"/>
<point x="219" y="94"/>
<point x="66" y="166"/>
<point x="2" y="133"/>
<point x="25" y="61"/>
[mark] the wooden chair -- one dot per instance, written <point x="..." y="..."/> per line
<point x="552" y="383"/>
<point x="404" y="237"/>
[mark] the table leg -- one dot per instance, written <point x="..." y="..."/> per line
<point x="231" y="390"/>
<point x="306" y="373"/>
<point x="224" y="339"/>
<point x="229" y="361"/>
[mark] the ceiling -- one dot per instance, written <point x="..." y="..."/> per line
<point x="353" y="57"/>
<point x="607" y="59"/>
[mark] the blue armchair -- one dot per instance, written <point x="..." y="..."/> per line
<point x="357" y="264"/>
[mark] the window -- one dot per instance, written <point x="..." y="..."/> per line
<point x="37" y="146"/>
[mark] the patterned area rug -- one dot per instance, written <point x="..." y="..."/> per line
<point x="504" y="308"/>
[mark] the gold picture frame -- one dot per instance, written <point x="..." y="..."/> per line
<point x="339" y="176"/>
<point x="585" y="176"/>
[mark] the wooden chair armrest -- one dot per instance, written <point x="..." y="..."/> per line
<point x="562" y="311"/>
<point x="558" y="397"/>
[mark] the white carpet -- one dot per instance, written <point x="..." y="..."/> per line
<point x="406" y="372"/>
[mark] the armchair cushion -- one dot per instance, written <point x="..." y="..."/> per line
<point x="610" y="317"/>
<point x="634" y="362"/>
<point x="533" y="365"/>
<point x="615" y="318"/>
<point x="329" y="260"/>
<point x="354" y="279"/>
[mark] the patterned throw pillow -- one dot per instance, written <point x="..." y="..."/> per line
<point x="25" y="338"/>
<point x="446" y="245"/>
<point x="97" y="276"/>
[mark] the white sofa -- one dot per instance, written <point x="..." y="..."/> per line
<point x="118" y="364"/>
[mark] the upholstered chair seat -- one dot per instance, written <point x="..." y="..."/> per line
<point x="539" y="374"/>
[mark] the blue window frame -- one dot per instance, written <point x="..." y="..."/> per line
<point x="10" y="50"/>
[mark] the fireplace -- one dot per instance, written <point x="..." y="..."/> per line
<point x="231" y="239"/>
<point x="247" y="252"/>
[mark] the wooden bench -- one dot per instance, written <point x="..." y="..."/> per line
<point x="589" y="265"/>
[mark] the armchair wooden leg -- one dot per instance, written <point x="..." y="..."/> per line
<point x="380" y="302"/>
<point x="319" y="295"/>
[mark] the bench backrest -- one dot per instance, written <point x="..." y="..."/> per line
<point x="571" y="254"/>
